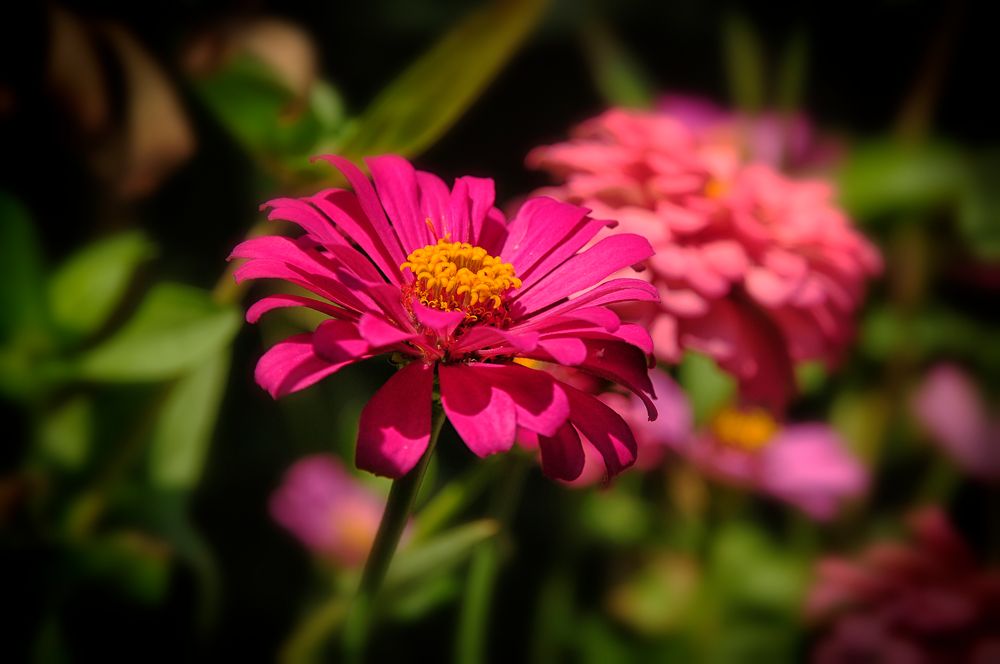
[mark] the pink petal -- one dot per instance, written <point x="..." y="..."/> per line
<point x="272" y="302"/>
<point x="568" y="351"/>
<point x="395" y="426"/>
<point x="292" y="365"/>
<point x="604" y="428"/>
<point x="471" y="199"/>
<point x="586" y="269"/>
<point x="539" y="399"/>
<point x="562" y="454"/>
<point x="441" y="323"/>
<point x="482" y="414"/>
<point x="398" y="190"/>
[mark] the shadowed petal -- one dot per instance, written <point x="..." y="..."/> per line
<point x="562" y="454"/>
<point x="482" y="414"/>
<point x="604" y="428"/>
<point x="292" y="365"/>
<point x="395" y="425"/>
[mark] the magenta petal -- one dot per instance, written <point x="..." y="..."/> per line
<point x="395" y="426"/>
<point x="482" y="414"/>
<point x="562" y="454"/>
<point x="292" y="365"/>
<point x="586" y="269"/>
<point x="339" y="340"/>
<point x="272" y="302"/>
<point x="541" y="404"/>
<point x="568" y="351"/>
<point x="398" y="189"/>
<point x="604" y="428"/>
<point x="442" y="323"/>
<point x="379" y="333"/>
<point x="471" y="199"/>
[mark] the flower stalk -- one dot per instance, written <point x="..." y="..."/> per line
<point x="397" y="511"/>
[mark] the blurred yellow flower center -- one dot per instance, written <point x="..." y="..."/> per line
<point x="457" y="276"/>
<point x="748" y="430"/>
<point x="715" y="188"/>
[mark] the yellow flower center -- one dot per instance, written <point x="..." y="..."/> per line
<point x="748" y="430"/>
<point x="457" y="276"/>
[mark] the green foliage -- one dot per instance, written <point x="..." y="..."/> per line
<point x="979" y="212"/>
<point x="419" y="106"/>
<point x="884" y="177"/>
<point x="708" y="388"/>
<point x="743" y="54"/>
<point x="618" y="75"/>
<point x="184" y="426"/>
<point x="85" y="290"/>
<point x="175" y="329"/>
<point x="65" y="434"/>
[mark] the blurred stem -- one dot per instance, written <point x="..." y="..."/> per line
<point x="470" y="647"/>
<point x="451" y="499"/>
<point x="397" y="511"/>
<point x="306" y="640"/>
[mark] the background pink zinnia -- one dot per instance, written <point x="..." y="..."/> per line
<point x="755" y="269"/>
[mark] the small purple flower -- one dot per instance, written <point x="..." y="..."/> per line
<point x="948" y="405"/>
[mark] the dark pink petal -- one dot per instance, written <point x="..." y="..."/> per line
<point x="340" y="341"/>
<point x="586" y="269"/>
<point x="379" y="333"/>
<point x="568" y="351"/>
<point x="562" y="454"/>
<point x="441" y="323"/>
<point x="379" y="242"/>
<point x="482" y="414"/>
<point x="539" y="399"/>
<point x="320" y="284"/>
<point x="395" y="425"/>
<point x="272" y="302"/>
<point x="610" y="292"/>
<point x="398" y="189"/>
<point x="480" y="338"/>
<point x="471" y="199"/>
<point x="435" y="199"/>
<point x="604" y="428"/>
<point x="292" y="365"/>
<point x="307" y="217"/>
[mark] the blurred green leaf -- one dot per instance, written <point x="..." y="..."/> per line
<point x="22" y="297"/>
<point x="657" y="597"/>
<point x="792" y="72"/>
<point x="885" y="177"/>
<point x="185" y="424"/>
<point x="421" y="104"/>
<point x="417" y="563"/>
<point x="176" y="328"/>
<point x="85" y="290"/>
<point x="620" y="78"/>
<point x="744" y="57"/>
<point x="752" y="572"/>
<point x="979" y="214"/>
<point x="264" y="116"/>
<point x="137" y="564"/>
<point x="708" y="387"/>
<point x="862" y="419"/>
<point x="64" y="435"/>
<point x="615" y="516"/>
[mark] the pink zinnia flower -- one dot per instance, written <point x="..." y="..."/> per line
<point x="328" y="510"/>
<point x="754" y="269"/>
<point x="805" y="465"/>
<point x="922" y="602"/>
<point x="949" y="406"/>
<point x="785" y="141"/>
<point x="440" y="281"/>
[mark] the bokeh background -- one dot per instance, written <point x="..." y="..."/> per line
<point x="138" y="141"/>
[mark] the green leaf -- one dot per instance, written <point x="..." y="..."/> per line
<point x="22" y="296"/>
<point x="744" y="58"/>
<point x="262" y="114"/>
<point x="979" y="214"/>
<point x="751" y="572"/>
<point x="175" y="329"/>
<point x="85" y="290"/>
<point x="620" y="78"/>
<point x="885" y="177"/>
<point x="708" y="387"/>
<point x="415" y="564"/>
<point x="419" y="106"/>
<point x="792" y="72"/>
<point x="65" y="433"/>
<point x="185" y="424"/>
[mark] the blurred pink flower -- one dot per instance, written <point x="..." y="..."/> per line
<point x="438" y="279"/>
<point x="927" y="601"/>
<point x="754" y="269"/>
<point x="328" y="510"/>
<point x="949" y="406"/>
<point x="785" y="141"/>
<point x="653" y="438"/>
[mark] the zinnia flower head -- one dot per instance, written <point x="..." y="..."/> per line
<point x="924" y="601"/>
<point x="955" y="415"/>
<point x="328" y="510"/>
<point x="438" y="279"/>
<point x="755" y="269"/>
<point x="805" y="465"/>
<point x="785" y="141"/>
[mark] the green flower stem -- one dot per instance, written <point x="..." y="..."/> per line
<point x="397" y="511"/>
<point x="471" y="644"/>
